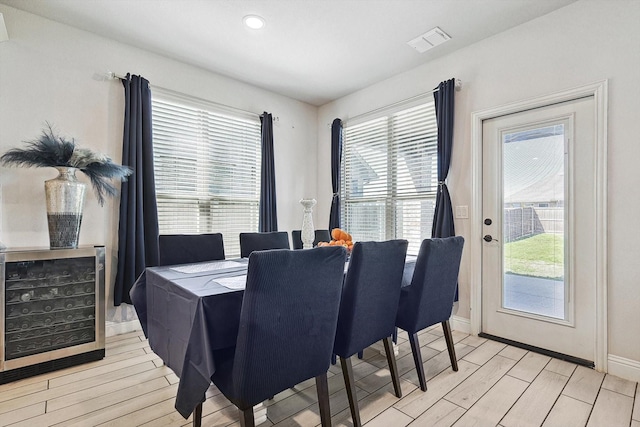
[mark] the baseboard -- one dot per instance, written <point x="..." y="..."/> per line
<point x="624" y="368"/>
<point x="460" y="324"/>
<point x="117" y="328"/>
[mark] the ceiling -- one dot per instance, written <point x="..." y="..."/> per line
<point x="311" y="50"/>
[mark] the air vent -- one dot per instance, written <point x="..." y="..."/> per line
<point x="429" y="40"/>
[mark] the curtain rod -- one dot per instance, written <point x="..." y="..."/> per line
<point x="458" y="87"/>
<point x="113" y="76"/>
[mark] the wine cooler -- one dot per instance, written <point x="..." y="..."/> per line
<point x="51" y="310"/>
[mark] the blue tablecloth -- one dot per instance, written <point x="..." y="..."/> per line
<point x="187" y="316"/>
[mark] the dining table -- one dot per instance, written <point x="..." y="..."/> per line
<point x="190" y="311"/>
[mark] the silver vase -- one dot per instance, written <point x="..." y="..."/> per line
<point x="65" y="202"/>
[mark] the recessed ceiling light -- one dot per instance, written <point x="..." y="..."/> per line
<point x="254" y="22"/>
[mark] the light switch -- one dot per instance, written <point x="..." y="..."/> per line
<point x="462" y="212"/>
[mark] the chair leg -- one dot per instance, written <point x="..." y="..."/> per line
<point x="417" y="359"/>
<point x="393" y="367"/>
<point x="197" y="415"/>
<point x="449" y="338"/>
<point x="349" y="382"/>
<point x="322" y="387"/>
<point x="246" y="417"/>
<point x="360" y="354"/>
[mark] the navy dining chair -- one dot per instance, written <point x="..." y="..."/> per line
<point x="250" y="242"/>
<point x="429" y="298"/>
<point x="187" y="248"/>
<point x="320" y="236"/>
<point x="287" y="328"/>
<point x="368" y="308"/>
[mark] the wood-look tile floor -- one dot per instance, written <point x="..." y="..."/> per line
<point x="496" y="385"/>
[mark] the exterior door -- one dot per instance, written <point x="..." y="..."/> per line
<point x="539" y="228"/>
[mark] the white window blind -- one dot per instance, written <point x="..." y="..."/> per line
<point x="207" y="169"/>
<point x="390" y="176"/>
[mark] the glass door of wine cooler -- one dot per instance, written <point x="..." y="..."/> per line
<point x="53" y="304"/>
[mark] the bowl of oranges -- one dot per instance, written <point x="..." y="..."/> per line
<point x="339" y="237"/>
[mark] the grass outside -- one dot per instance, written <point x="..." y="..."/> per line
<point x="541" y="255"/>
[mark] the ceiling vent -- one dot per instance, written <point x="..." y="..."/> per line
<point x="429" y="40"/>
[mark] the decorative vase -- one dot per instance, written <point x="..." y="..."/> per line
<point x="65" y="202"/>
<point x="308" y="234"/>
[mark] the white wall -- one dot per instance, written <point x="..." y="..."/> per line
<point x="587" y="41"/>
<point x="50" y="72"/>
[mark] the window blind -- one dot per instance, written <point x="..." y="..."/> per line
<point x="207" y="170"/>
<point x="390" y="176"/>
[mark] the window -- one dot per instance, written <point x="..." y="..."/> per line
<point x="207" y="168"/>
<point x="390" y="176"/>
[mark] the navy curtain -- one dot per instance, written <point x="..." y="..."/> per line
<point x="268" y="216"/>
<point x="336" y="159"/>
<point x="138" y="227"/>
<point x="443" y="215"/>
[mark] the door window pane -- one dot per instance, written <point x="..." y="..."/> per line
<point x="534" y="221"/>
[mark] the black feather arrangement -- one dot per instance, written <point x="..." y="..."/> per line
<point x="51" y="150"/>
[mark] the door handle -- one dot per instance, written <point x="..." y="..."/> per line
<point x="488" y="238"/>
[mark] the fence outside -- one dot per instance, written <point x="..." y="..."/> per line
<point x="528" y="221"/>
